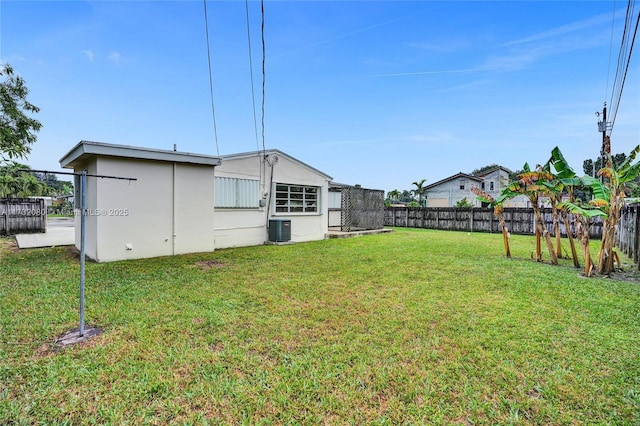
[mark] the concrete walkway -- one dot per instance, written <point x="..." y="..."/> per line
<point x="60" y="232"/>
<point x="336" y="233"/>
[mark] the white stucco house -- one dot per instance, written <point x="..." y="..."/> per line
<point x="167" y="210"/>
<point x="186" y="203"/>
<point x="254" y="189"/>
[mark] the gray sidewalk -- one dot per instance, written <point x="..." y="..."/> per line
<point x="60" y="232"/>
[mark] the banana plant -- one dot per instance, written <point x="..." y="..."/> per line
<point x="498" y="211"/>
<point x="610" y="196"/>
<point x="565" y="180"/>
<point x="532" y="184"/>
<point x="583" y="215"/>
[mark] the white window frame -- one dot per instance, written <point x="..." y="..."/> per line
<point x="296" y="199"/>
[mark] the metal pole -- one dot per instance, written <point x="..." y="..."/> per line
<point x="83" y="210"/>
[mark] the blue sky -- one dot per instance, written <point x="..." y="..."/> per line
<point x="377" y="93"/>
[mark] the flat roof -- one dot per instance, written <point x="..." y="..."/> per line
<point x="88" y="149"/>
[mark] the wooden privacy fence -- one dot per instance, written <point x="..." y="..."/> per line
<point x="627" y="238"/>
<point x="518" y="220"/>
<point x="22" y="215"/>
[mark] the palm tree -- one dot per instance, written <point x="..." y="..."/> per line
<point x="419" y="191"/>
<point x="8" y="186"/>
<point x="29" y="186"/>
<point x="394" y="195"/>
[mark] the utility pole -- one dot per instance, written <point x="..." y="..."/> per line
<point x="603" y="126"/>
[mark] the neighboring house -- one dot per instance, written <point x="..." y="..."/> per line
<point x="449" y="191"/>
<point x="167" y="210"/>
<point x="254" y="189"/>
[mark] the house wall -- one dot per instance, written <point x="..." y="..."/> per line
<point x="246" y="227"/>
<point x="447" y="194"/>
<point x="167" y="210"/>
<point x="500" y="179"/>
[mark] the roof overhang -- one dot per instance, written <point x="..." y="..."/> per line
<point x="277" y="152"/>
<point x="86" y="150"/>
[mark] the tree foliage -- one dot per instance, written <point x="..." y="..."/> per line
<point x="483" y="169"/>
<point x="419" y="191"/>
<point x="17" y="129"/>
<point x="16" y="183"/>
<point x="463" y="204"/>
<point x="591" y="168"/>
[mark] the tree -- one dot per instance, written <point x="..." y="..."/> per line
<point x="566" y="180"/>
<point x="532" y="184"/>
<point x="498" y="211"/>
<point x="609" y="196"/>
<point x="419" y="191"/>
<point x="17" y="129"/>
<point x="406" y="196"/>
<point x="484" y="169"/>
<point x="16" y="183"/>
<point x="463" y="204"/>
<point x="591" y="168"/>
<point x="394" y="195"/>
<point x="584" y="212"/>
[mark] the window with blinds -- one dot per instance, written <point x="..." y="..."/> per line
<point x="236" y="193"/>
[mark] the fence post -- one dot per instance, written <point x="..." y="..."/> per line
<point x="636" y="242"/>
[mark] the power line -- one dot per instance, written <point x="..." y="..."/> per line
<point x="253" y="96"/>
<point x="213" y="110"/>
<point x="263" y="71"/>
<point x="613" y="20"/>
<point x="624" y="59"/>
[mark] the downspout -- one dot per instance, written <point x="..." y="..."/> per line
<point x="173" y="213"/>
<point x="269" y="190"/>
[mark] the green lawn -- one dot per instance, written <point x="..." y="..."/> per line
<point x="412" y="327"/>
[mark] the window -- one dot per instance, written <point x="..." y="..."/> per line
<point x="482" y="186"/>
<point x="491" y="186"/>
<point x="461" y="184"/>
<point x="335" y="199"/>
<point x="296" y="199"/>
<point x="236" y="193"/>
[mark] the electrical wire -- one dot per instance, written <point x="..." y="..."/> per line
<point x="253" y="95"/>
<point x="624" y="59"/>
<point x="263" y="73"/>
<point x="213" y="110"/>
<point x="613" y="20"/>
<point x="261" y="166"/>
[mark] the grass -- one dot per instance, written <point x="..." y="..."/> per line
<point x="416" y="326"/>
